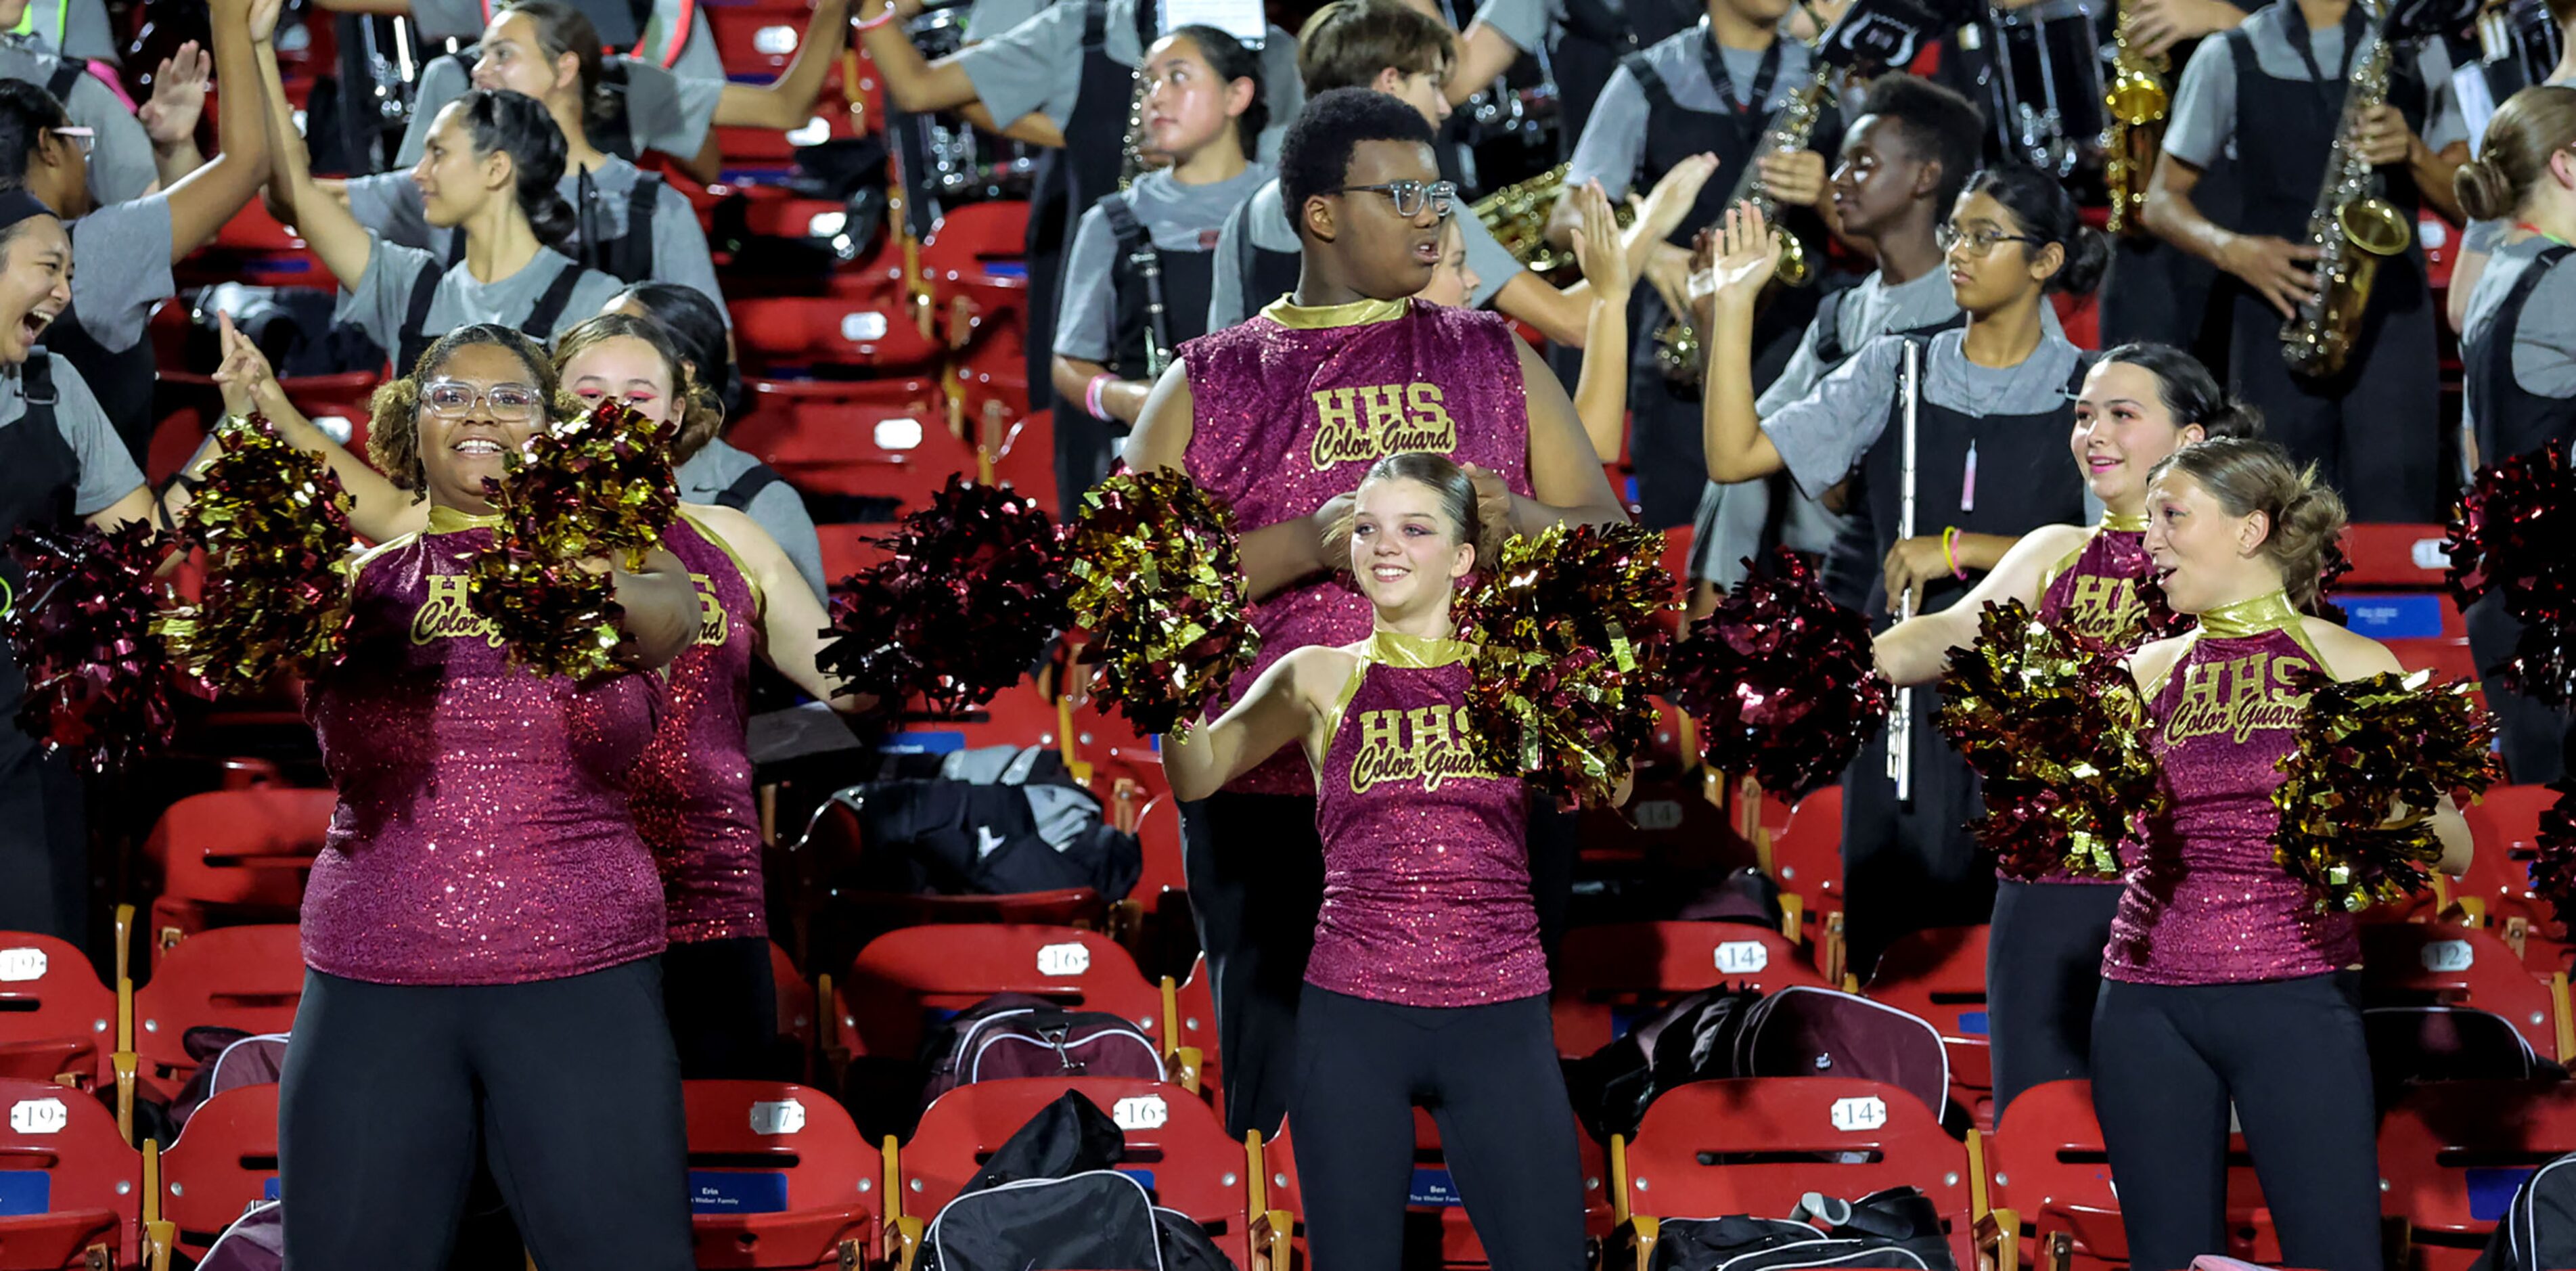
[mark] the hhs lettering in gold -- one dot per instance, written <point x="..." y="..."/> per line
<point x="1425" y="744"/>
<point x="1363" y="425"/>
<point x="2237" y="698"/>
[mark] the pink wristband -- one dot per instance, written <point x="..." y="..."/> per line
<point x="870" y="24"/>
<point x="1095" y="394"/>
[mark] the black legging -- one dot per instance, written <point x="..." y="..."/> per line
<point x="2043" y="972"/>
<point x="1254" y="902"/>
<point x="2289" y="1055"/>
<point x="1489" y="1076"/>
<point x="572" y="1082"/>
<point x="722" y="1000"/>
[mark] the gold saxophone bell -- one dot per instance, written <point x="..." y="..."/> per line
<point x="2376" y="230"/>
<point x="1792" y="271"/>
<point x="2138" y="103"/>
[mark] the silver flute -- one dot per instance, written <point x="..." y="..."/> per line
<point x="1900" y="719"/>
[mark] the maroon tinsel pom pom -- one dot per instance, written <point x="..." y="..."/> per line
<point x="2329" y="580"/>
<point x="2553" y="857"/>
<point x="973" y="590"/>
<point x="1781" y="680"/>
<point x="2155" y="617"/>
<point x="101" y="685"/>
<point x="2509" y="535"/>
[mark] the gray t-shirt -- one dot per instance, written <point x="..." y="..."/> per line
<point x="777" y="509"/>
<point x="1614" y="138"/>
<point x="1267" y="221"/>
<point x="2544" y="341"/>
<point x="121" y="270"/>
<point x="1179" y="218"/>
<point x="381" y="299"/>
<point x="78" y="27"/>
<point x="2482" y="237"/>
<point x="1037" y="66"/>
<point x="1530" y="25"/>
<point x="107" y="472"/>
<point x="1821" y="435"/>
<point x="120" y="166"/>
<point x="2203" y="124"/>
<point x="1864" y="313"/>
<point x="464" y="20"/>
<point x="988" y="18"/>
<point x="666" y="111"/>
<point x="390" y="204"/>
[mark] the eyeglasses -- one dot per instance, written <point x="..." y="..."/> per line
<point x="1978" y="241"/>
<point x="85" y="138"/>
<point x="1409" y="196"/>
<point x="509" y="403"/>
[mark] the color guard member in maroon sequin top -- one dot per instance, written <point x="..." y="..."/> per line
<point x="2044" y="948"/>
<point x="1279" y="417"/>
<point x="2225" y="982"/>
<point x="482" y="923"/>
<point x="1427" y="986"/>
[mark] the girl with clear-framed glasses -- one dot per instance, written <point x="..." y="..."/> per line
<point x="485" y="904"/>
<point x="1995" y="406"/>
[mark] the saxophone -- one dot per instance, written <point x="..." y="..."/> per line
<point x="1677" y="346"/>
<point x="1517" y="215"/>
<point x="2137" y="100"/>
<point x="2352" y="226"/>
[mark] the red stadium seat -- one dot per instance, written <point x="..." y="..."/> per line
<point x="847" y="549"/>
<point x="248" y="978"/>
<point x="2451" y="1155"/>
<point x="73" y="1189"/>
<point x="1805" y="849"/>
<point x="235" y="856"/>
<point x="2410" y="964"/>
<point x="223" y="1163"/>
<point x="2047" y="1164"/>
<point x="2497" y="889"/>
<point x="1940" y="975"/>
<point x="56" y="1019"/>
<point x="2447" y="657"/>
<point x="975" y="263"/>
<point x="757" y="41"/>
<point x="1194" y="1011"/>
<point x="2394" y="556"/>
<point x="1713" y="1148"/>
<point x="1176" y="1145"/>
<point x="779" y="1177"/>
<point x="904" y="976"/>
<point x="884" y="438"/>
<point x="1611" y="973"/>
<point x="867" y="326"/>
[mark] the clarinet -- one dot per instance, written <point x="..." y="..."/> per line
<point x="1158" y="344"/>
<point x="1900" y="719"/>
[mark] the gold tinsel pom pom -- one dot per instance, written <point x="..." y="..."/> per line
<point x="595" y="489"/>
<point x="274" y="524"/>
<point x="2054" y="726"/>
<point x="1568" y="648"/>
<point x="2374" y="757"/>
<point x="1158" y="585"/>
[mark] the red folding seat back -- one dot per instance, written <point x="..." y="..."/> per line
<point x="237" y="855"/>
<point x="1175" y="1144"/>
<point x="2409" y="963"/>
<point x="1940" y="975"/>
<point x="2502" y="825"/>
<point x="884" y="439"/>
<point x="1616" y="970"/>
<point x="1807" y="847"/>
<point x="874" y="331"/>
<point x="780" y="1177"/>
<point x="2452" y="1154"/>
<point x="56" y="1019"/>
<point x="1714" y="1148"/>
<point x="756" y="40"/>
<point x="68" y="1184"/>
<point x="1195" y="1003"/>
<point x="904" y="977"/>
<point x="248" y="978"/>
<point x="2447" y="657"/>
<point x="223" y="1163"/>
<point x="2394" y="556"/>
<point x="2046" y="1161"/>
<point x="1159" y="829"/>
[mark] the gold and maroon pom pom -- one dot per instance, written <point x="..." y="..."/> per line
<point x="594" y="489"/>
<point x="2054" y="726"/>
<point x="1781" y="680"/>
<point x="2553" y="857"/>
<point x="274" y="524"/>
<point x="2509" y="534"/>
<point x="100" y="683"/>
<point x="2373" y="759"/>
<point x="1158" y="586"/>
<point x="974" y="588"/>
<point x="1568" y="648"/>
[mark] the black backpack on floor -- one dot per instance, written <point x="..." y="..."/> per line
<point x="1051" y="1196"/>
<point x="1693" y="1039"/>
<point x="2538" y="1233"/>
<point x="1899" y="1227"/>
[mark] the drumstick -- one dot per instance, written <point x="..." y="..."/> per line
<point x="1900" y="720"/>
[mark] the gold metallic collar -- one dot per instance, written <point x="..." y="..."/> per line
<point x="1394" y="648"/>
<point x="1358" y="313"/>
<point x="447" y="520"/>
<point x="2249" y="617"/>
<point x="2118" y="524"/>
